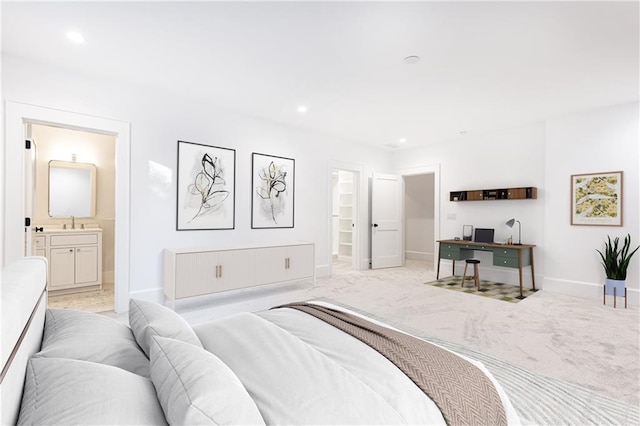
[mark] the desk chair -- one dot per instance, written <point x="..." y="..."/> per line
<point x="476" y="275"/>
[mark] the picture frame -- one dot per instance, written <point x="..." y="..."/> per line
<point x="272" y="191"/>
<point x="596" y="199"/>
<point x="206" y="180"/>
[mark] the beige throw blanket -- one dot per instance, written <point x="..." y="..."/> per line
<point x="463" y="393"/>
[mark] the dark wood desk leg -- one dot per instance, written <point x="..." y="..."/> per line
<point x="533" y="273"/>
<point x="438" y="270"/>
<point x="520" y="269"/>
<point x="453" y="268"/>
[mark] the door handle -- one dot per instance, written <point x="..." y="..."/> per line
<point x="375" y="225"/>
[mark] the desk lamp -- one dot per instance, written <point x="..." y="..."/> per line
<point x="510" y="223"/>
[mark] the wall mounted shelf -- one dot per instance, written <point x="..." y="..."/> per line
<point x="523" y="193"/>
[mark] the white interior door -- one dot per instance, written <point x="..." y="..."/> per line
<point x="387" y="242"/>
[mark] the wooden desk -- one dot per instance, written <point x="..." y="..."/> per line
<point x="506" y="255"/>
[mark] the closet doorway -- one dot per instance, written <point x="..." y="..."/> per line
<point x="419" y="218"/>
<point x="344" y="213"/>
<point x="421" y="213"/>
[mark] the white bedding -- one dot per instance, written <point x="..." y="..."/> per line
<point x="323" y="377"/>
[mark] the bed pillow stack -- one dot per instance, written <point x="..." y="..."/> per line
<point x="90" y="370"/>
<point x="151" y="319"/>
<point x="62" y="391"/>
<point x="195" y="387"/>
<point x="91" y="337"/>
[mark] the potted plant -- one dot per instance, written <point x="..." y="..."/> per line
<point x="616" y="261"/>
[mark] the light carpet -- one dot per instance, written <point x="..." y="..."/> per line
<point x="538" y="400"/>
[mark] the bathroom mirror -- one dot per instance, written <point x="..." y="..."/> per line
<point x="72" y="189"/>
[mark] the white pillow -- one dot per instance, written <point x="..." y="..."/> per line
<point x="195" y="387"/>
<point x="91" y="337"/>
<point x="151" y="319"/>
<point x="61" y="391"/>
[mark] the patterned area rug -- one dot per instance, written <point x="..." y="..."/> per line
<point x="494" y="290"/>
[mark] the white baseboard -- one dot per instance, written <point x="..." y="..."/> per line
<point x="322" y="271"/>
<point x="586" y="290"/>
<point x="365" y="264"/>
<point x="418" y="255"/>
<point x="155" y="295"/>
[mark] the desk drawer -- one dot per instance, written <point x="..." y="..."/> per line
<point x="451" y="252"/>
<point x="506" y="252"/>
<point x="508" y="262"/>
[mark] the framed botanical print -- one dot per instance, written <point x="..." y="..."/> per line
<point x="206" y="187"/>
<point x="596" y="199"/>
<point x="273" y="191"/>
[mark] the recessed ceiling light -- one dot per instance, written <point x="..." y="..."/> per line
<point x="410" y="60"/>
<point x="75" y="37"/>
<point x="302" y="109"/>
<point x="402" y="140"/>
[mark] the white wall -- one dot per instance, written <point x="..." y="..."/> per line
<point x="506" y="158"/>
<point x="544" y="155"/>
<point x="157" y="121"/>
<point x="600" y="140"/>
<point x="418" y="214"/>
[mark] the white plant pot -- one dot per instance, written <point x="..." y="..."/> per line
<point x="618" y="285"/>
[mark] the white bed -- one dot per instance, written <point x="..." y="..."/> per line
<point x="281" y="366"/>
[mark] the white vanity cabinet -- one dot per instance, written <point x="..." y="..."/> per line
<point x="196" y="272"/>
<point x="75" y="257"/>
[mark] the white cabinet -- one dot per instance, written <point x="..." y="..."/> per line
<point x="195" y="272"/>
<point x="276" y="264"/>
<point x="38" y="246"/>
<point x="75" y="257"/>
<point x="207" y="272"/>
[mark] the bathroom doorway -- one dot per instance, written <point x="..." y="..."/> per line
<point x="17" y="115"/>
<point x="76" y="148"/>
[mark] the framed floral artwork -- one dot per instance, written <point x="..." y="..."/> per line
<point x="273" y="191"/>
<point x="206" y="187"/>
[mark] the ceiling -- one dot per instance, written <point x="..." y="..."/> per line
<point x="483" y="65"/>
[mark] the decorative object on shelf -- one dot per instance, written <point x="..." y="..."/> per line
<point x="522" y="193"/>
<point x="596" y="199"/>
<point x="615" y="262"/>
<point x="206" y="187"/>
<point x="510" y="224"/>
<point x="272" y="201"/>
